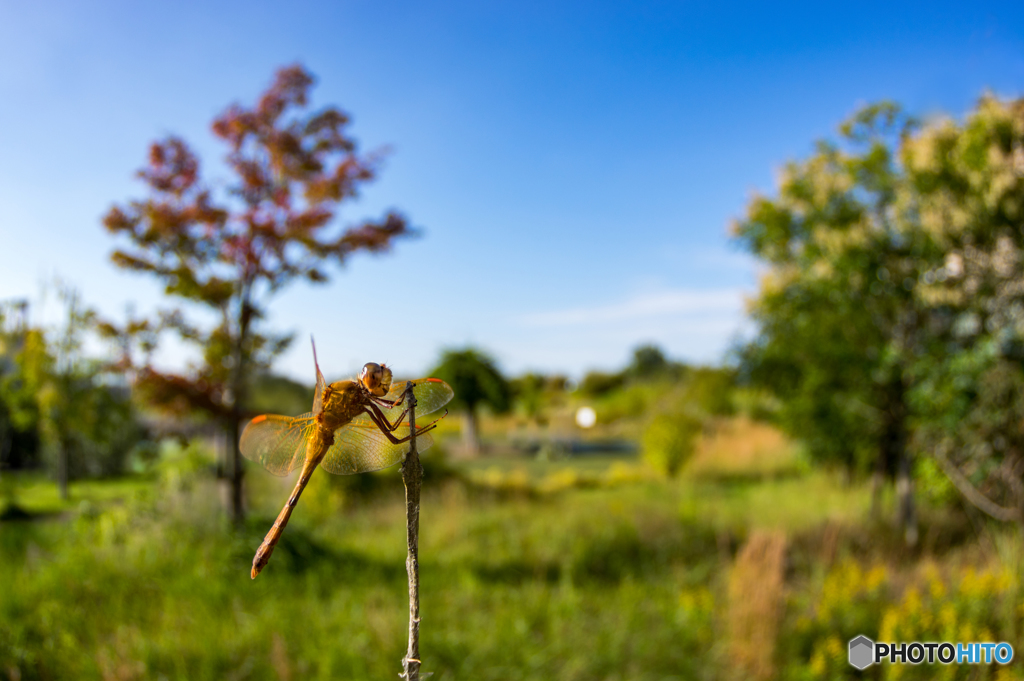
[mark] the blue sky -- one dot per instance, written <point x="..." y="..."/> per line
<point x="573" y="166"/>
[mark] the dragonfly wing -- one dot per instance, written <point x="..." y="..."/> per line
<point x="277" y="442"/>
<point x="321" y="383"/>
<point x="431" y="394"/>
<point x="360" y="447"/>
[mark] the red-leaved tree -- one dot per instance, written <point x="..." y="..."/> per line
<point x="232" y="251"/>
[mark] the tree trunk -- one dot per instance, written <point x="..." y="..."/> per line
<point x="894" y="451"/>
<point x="238" y="403"/>
<point x="907" y="515"/>
<point x="877" y="482"/>
<point x="236" y="470"/>
<point x="62" y="470"/>
<point x="5" y="445"/>
<point x="470" y="434"/>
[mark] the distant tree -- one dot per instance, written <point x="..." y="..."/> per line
<point x="648" y="361"/>
<point x="271" y="393"/>
<point x="476" y="381"/>
<point x="839" y="323"/>
<point x="597" y="383"/>
<point x="710" y="390"/>
<point x="528" y="393"/>
<point x="84" y="418"/>
<point x="232" y="253"/>
<point x="19" y="411"/>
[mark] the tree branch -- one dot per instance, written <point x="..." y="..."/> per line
<point x="412" y="476"/>
<point x="972" y="493"/>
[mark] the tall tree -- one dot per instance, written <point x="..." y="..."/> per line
<point x="231" y="253"/>
<point x="476" y="380"/>
<point x="966" y="185"/>
<point x="838" y="319"/>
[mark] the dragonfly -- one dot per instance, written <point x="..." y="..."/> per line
<point x="351" y="429"/>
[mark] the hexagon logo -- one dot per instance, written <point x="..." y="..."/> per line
<point x="862" y="652"/>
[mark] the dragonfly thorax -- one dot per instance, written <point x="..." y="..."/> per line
<point x="376" y="378"/>
<point x="342" y="402"/>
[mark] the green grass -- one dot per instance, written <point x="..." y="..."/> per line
<point x="509" y="589"/>
<point x="38" y="495"/>
<point x="608" y="581"/>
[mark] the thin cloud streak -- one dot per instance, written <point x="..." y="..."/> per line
<point x="660" y="304"/>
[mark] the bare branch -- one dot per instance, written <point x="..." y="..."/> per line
<point x="412" y="475"/>
<point x="972" y="493"/>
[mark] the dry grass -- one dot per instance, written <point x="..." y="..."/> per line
<point x="755" y="605"/>
<point x="741" y="447"/>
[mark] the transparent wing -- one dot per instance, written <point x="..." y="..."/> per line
<point x="361" y="447"/>
<point x="321" y="383"/>
<point x="431" y="394"/>
<point x="277" y="442"/>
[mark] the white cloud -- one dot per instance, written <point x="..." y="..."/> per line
<point x="672" y="303"/>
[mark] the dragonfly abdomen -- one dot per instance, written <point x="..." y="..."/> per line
<point x="262" y="556"/>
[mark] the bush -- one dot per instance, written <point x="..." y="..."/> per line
<point x="597" y="383"/>
<point x="669" y="441"/>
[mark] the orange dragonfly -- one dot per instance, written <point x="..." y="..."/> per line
<point x="350" y="430"/>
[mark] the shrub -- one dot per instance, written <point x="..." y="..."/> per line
<point x="669" y="441"/>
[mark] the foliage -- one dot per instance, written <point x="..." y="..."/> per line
<point x="633" y="401"/>
<point x="535" y="395"/>
<point x="80" y="411"/>
<point x="475" y="378"/>
<point x="647" y="364"/>
<point x="232" y="253"/>
<point x="893" y="314"/>
<point x="670" y="440"/>
<point x="836" y="313"/>
<point x="710" y="390"/>
<point x="968" y="191"/>
<point x="598" y="383"/>
<point x="276" y="394"/>
<point x="962" y="603"/>
<point x="23" y="354"/>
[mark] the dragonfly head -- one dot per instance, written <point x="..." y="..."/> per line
<point x="376" y="378"/>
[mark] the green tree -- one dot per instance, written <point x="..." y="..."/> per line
<point x="81" y="413"/>
<point x="19" y="412"/>
<point x="233" y="252"/>
<point x="527" y="391"/>
<point x="476" y="381"/>
<point x="839" y="323"/>
<point x="966" y="185"/>
<point x="648" y="361"/>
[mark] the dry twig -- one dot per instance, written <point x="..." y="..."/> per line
<point x="412" y="476"/>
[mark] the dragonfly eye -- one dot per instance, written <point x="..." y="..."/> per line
<point x="372" y="377"/>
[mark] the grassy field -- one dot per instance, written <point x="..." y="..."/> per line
<point x="581" y="568"/>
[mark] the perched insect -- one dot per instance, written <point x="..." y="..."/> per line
<point x="350" y="430"/>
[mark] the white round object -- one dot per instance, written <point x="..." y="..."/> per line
<point x="586" y="417"/>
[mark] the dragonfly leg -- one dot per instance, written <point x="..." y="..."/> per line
<point x="385" y="427"/>
<point x="401" y="417"/>
<point x="390" y="404"/>
<point x="398" y="421"/>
